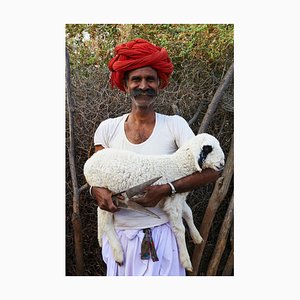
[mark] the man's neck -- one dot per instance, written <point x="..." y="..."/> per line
<point x="139" y="116"/>
<point x="139" y="126"/>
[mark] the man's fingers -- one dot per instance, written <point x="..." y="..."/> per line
<point x="120" y="196"/>
<point x="141" y="199"/>
<point x="111" y="207"/>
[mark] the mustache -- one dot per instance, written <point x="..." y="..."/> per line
<point x="148" y="92"/>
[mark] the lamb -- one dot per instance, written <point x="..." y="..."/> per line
<point x="119" y="170"/>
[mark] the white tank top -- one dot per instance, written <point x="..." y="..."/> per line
<point x="169" y="133"/>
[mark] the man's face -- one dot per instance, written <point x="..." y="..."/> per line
<point x="142" y="86"/>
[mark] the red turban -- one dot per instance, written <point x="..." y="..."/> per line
<point x="137" y="54"/>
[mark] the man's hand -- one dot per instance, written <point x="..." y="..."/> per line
<point x="104" y="200"/>
<point x="153" y="194"/>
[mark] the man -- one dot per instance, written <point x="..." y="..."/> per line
<point x="141" y="69"/>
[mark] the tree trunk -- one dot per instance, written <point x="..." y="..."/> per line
<point x="216" y="99"/>
<point x="218" y="195"/>
<point x="76" y="215"/>
<point x="222" y="239"/>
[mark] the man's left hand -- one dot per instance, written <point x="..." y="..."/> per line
<point x="153" y="194"/>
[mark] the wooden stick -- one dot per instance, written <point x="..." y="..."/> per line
<point x="230" y="260"/>
<point x="83" y="188"/>
<point x="221" y="242"/>
<point x="229" y="264"/>
<point x="76" y="215"/>
<point x="196" y="114"/>
<point x="216" y="99"/>
<point x="218" y="195"/>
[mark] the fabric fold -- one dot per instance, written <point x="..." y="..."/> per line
<point x="165" y="246"/>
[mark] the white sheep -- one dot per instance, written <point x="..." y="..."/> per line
<point x="119" y="170"/>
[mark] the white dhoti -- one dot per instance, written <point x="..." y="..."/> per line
<point x="131" y="240"/>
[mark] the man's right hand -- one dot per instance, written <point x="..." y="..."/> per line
<point x="104" y="200"/>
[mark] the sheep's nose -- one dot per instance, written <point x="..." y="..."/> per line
<point x="221" y="166"/>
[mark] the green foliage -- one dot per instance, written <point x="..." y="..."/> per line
<point x="184" y="41"/>
<point x="96" y="50"/>
<point x="212" y="44"/>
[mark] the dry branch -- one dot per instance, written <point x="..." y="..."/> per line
<point x="229" y="264"/>
<point x="75" y="216"/>
<point x="196" y="115"/>
<point x="216" y="99"/>
<point x="228" y="268"/>
<point x="218" y="195"/>
<point x="176" y="110"/>
<point x="227" y="271"/>
<point x="83" y="188"/>
<point x="222" y="239"/>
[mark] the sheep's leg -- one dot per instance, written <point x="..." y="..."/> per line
<point x="102" y="219"/>
<point x="174" y="211"/>
<point x="105" y="225"/>
<point x="188" y="217"/>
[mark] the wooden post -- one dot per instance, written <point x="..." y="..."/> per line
<point x="76" y="191"/>
<point x="221" y="242"/>
<point x="229" y="264"/>
<point x="230" y="260"/>
<point x="218" y="195"/>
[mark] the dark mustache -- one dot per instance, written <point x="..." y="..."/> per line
<point x="148" y="92"/>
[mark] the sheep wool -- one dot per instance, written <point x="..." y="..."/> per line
<point x="119" y="170"/>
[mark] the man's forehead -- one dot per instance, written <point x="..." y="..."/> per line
<point x="144" y="71"/>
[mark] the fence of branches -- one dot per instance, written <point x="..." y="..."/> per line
<point x="205" y="99"/>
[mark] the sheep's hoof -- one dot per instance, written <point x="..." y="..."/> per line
<point x="196" y="237"/>
<point x="190" y="269"/>
<point x="186" y="263"/>
<point x="198" y="240"/>
<point x="118" y="256"/>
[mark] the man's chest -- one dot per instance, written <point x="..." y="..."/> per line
<point x="138" y="134"/>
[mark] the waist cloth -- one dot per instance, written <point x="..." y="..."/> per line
<point x="129" y="228"/>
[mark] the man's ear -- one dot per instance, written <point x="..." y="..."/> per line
<point x="125" y="85"/>
<point x="158" y="84"/>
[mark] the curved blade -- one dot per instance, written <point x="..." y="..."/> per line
<point x="130" y="204"/>
<point x="138" y="189"/>
<point x="137" y="207"/>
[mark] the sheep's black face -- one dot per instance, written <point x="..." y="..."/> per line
<point x="206" y="149"/>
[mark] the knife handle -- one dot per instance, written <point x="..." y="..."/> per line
<point x="118" y="202"/>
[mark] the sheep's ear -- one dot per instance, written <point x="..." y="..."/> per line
<point x="206" y="149"/>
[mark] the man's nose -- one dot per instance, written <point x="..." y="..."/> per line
<point x="143" y="84"/>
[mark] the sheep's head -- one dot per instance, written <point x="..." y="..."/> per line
<point x="206" y="151"/>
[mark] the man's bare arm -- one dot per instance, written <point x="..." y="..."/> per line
<point x="196" y="180"/>
<point x="186" y="184"/>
